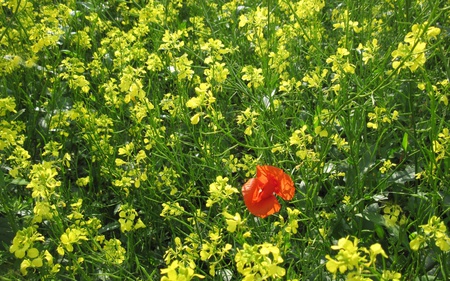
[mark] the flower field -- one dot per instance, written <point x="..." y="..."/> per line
<point x="225" y="140"/>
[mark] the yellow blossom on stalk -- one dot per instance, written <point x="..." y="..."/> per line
<point x="351" y="258"/>
<point x="76" y="214"/>
<point x="379" y="116"/>
<point x="43" y="210"/>
<point x="415" y="56"/>
<point x="346" y="23"/>
<point x="183" y="67"/>
<point x="440" y="91"/>
<point x="20" y="160"/>
<point x="12" y="63"/>
<point x="387" y="166"/>
<point x="441" y="145"/>
<point x="217" y="72"/>
<point x="172" y="209"/>
<point x="374" y="251"/>
<point x="204" y="96"/>
<point x="348" y="257"/>
<point x="369" y="50"/>
<point x="7" y="104"/>
<point x="412" y="54"/>
<point x="391" y="275"/>
<point x="214" y="251"/>
<point x="129" y="220"/>
<point x="172" y="40"/>
<point x="43" y="182"/>
<point x="417" y="241"/>
<point x="435" y="230"/>
<point x="33" y="260"/>
<point x="72" y="236"/>
<point x="301" y="139"/>
<point x="339" y="62"/>
<point x="253" y="76"/>
<point x="81" y="39"/>
<point x="215" y="49"/>
<point x="83" y="181"/>
<point x="289" y="85"/>
<point x="52" y="148"/>
<point x="279" y="60"/>
<point x="305" y="10"/>
<point x="177" y="270"/>
<point x="140" y="110"/>
<point x="186" y="250"/>
<point x="315" y="78"/>
<point x="233" y="222"/>
<point x="154" y="62"/>
<point x="73" y="73"/>
<point x="220" y="191"/>
<point x="231" y="163"/>
<point x="114" y="252"/>
<point x="292" y="226"/>
<point x="423" y="32"/>
<point x="43" y="36"/>
<point x="24" y="240"/>
<point x="259" y="262"/>
<point x="254" y="24"/>
<point x="248" y="117"/>
<point x="198" y="27"/>
<point x="393" y="215"/>
<point x="340" y="142"/>
<point x="131" y="84"/>
<point x="248" y="163"/>
<point x="168" y="177"/>
<point x="171" y="104"/>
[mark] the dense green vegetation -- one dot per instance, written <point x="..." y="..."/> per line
<point x="127" y="129"/>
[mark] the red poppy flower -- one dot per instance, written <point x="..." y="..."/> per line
<point x="259" y="193"/>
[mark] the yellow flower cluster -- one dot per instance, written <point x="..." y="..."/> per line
<point x="129" y="219"/>
<point x="354" y="261"/>
<point x="220" y="191"/>
<point x="412" y="54"/>
<point x="24" y="246"/>
<point x="259" y="262"/>
<point x="380" y="116"/>
<point x="435" y="230"/>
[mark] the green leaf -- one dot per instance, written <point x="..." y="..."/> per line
<point x="406" y="175"/>
<point x="405" y="142"/>
<point x="6" y="233"/>
<point x="20" y="182"/>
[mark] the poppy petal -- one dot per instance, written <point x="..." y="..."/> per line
<point x="248" y="191"/>
<point x="259" y="193"/>
<point x="285" y="186"/>
<point x="266" y="207"/>
<point x="263" y="207"/>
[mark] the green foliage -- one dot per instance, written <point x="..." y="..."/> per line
<point x="127" y="129"/>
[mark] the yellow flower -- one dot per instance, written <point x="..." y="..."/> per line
<point x="196" y="118"/>
<point x="73" y="236"/>
<point x="391" y="275"/>
<point x="114" y="252"/>
<point x="24" y="240"/>
<point x="220" y="191"/>
<point x="171" y="209"/>
<point x="232" y="221"/>
<point x="415" y="243"/>
<point x="128" y="217"/>
<point x="179" y="271"/>
<point x="253" y="76"/>
<point x="259" y="262"/>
